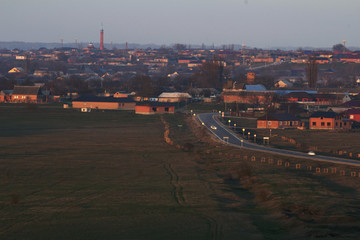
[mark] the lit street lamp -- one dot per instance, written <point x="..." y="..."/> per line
<point x="229" y="122"/>
<point x="243" y="132"/>
<point x="254" y="137"/>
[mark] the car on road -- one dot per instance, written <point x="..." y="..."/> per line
<point x="311" y="153"/>
<point x="213" y="127"/>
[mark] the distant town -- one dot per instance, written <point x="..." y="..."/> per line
<point x="150" y="81"/>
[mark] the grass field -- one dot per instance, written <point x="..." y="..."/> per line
<point x="110" y="175"/>
<point x="335" y="143"/>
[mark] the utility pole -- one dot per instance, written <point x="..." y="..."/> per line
<point x="243" y="53"/>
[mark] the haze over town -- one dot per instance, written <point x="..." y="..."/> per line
<point x="256" y="23"/>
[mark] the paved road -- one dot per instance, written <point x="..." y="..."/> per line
<point x="210" y="119"/>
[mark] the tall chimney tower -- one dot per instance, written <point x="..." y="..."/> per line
<point x="102" y="38"/>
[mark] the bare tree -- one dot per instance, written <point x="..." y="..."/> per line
<point x="312" y="71"/>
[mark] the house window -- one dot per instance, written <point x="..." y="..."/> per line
<point x="166" y="109"/>
<point x="296" y="123"/>
<point x="269" y="123"/>
<point x="285" y="123"/>
<point x="314" y="123"/>
<point x="280" y="123"/>
<point x="351" y="116"/>
<point x="328" y="124"/>
<point x="154" y="109"/>
<point x="336" y="124"/>
<point x="344" y="123"/>
<point x="322" y="124"/>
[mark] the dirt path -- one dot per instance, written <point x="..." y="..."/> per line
<point x="177" y="191"/>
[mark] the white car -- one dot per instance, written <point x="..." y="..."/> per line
<point x="213" y="127"/>
<point x="311" y="153"/>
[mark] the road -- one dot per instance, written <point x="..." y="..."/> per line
<point x="227" y="136"/>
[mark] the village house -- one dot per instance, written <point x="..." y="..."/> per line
<point x="331" y="98"/>
<point x="121" y="95"/>
<point x="353" y="114"/>
<point x="250" y="97"/>
<point x="328" y="121"/>
<point x="106" y="103"/>
<point x="299" y="97"/>
<point x="284" y="84"/>
<point x="16" y="70"/>
<point x="148" y="108"/>
<point x="351" y="104"/>
<point x="174" y="97"/>
<point x="5" y="96"/>
<point x="280" y="120"/>
<point x="27" y="94"/>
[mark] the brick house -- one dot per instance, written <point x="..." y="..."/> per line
<point x="154" y="108"/>
<point x="353" y="114"/>
<point x="280" y="120"/>
<point x="328" y="121"/>
<point x="247" y="97"/>
<point x="27" y="94"/>
<point x="121" y="95"/>
<point x="299" y="97"/>
<point x="5" y="96"/>
<point x="109" y="103"/>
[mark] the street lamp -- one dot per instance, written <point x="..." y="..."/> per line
<point x="254" y="137"/>
<point x="243" y="132"/>
<point x="235" y="126"/>
<point x="242" y="142"/>
<point x="229" y="122"/>
<point x="248" y="135"/>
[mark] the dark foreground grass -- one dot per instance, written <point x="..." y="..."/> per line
<point x="110" y="175"/>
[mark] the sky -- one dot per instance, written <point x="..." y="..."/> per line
<point x="255" y="23"/>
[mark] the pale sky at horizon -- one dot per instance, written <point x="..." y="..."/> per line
<point x="256" y="23"/>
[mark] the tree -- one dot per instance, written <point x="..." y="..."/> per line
<point x="62" y="57"/>
<point x="339" y="48"/>
<point x="7" y="84"/>
<point x="211" y="74"/>
<point x="142" y="85"/>
<point x="75" y="83"/>
<point x="160" y="83"/>
<point x="312" y="71"/>
<point x="179" y="46"/>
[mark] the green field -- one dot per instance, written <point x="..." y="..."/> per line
<point x="110" y="175"/>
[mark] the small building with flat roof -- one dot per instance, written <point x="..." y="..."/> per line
<point x="148" y="108"/>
